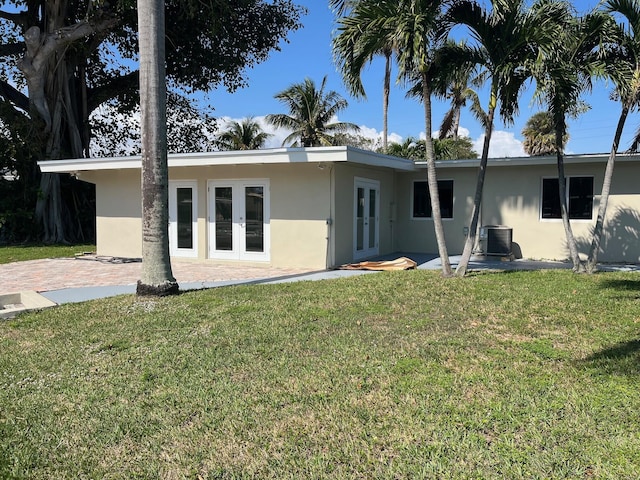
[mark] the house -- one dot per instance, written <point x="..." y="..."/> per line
<point x="326" y="206"/>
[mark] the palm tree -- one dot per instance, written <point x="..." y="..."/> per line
<point x="505" y="44"/>
<point x="244" y="135"/>
<point x="540" y="135"/>
<point x="565" y="71"/>
<point x="310" y="113"/>
<point x="157" y="278"/>
<point x="454" y="85"/>
<point x="624" y="70"/>
<point x="413" y="26"/>
<point x="357" y="43"/>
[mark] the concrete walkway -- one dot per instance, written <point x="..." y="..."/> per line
<point x="88" y="277"/>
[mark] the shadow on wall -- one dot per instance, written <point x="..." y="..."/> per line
<point x="620" y="240"/>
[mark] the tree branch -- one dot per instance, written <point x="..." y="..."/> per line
<point x="11" y="49"/>
<point x="117" y="85"/>
<point x="11" y="94"/>
<point x="18" y="18"/>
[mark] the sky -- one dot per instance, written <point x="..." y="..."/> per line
<point x="308" y="54"/>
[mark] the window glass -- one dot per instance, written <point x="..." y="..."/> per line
<point x="580" y="198"/>
<point x="422" y="199"/>
<point x="551" y="198"/>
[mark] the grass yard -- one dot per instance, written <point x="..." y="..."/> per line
<point x="399" y="375"/>
<point x="20" y="253"/>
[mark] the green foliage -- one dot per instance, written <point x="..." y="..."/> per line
<point x="445" y="149"/>
<point x="311" y="110"/>
<point x="460" y="148"/>
<point x="540" y="135"/>
<point x="393" y="375"/>
<point x="244" y="135"/>
<point x="354" y="140"/>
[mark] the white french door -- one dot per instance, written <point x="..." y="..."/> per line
<point x="239" y="220"/>
<point x="183" y="218"/>
<point x="366" y="228"/>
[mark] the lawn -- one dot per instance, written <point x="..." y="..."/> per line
<point x="20" y="253"/>
<point x="398" y="375"/>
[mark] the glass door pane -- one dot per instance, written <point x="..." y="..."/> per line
<point x="224" y="218"/>
<point x="372" y="218"/>
<point x="360" y="219"/>
<point x="185" y="217"/>
<point x="254" y="215"/>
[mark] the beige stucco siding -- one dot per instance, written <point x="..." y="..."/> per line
<point x="417" y="235"/>
<point x="118" y="212"/>
<point x="345" y="176"/>
<point x="300" y="204"/>
<point x="512" y="197"/>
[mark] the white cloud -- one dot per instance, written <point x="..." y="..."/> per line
<point x="279" y="134"/>
<point x="503" y="145"/>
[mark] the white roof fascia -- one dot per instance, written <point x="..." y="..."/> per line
<point x="532" y="161"/>
<point x="241" y="157"/>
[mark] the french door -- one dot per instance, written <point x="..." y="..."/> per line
<point x="366" y="228"/>
<point x="183" y="218"/>
<point x="239" y="220"/>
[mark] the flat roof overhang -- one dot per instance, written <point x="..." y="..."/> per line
<point x="315" y="155"/>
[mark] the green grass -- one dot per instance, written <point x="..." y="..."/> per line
<point x="20" y="253"/>
<point x="402" y="375"/>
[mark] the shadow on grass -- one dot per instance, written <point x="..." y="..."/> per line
<point x="627" y="284"/>
<point x="620" y="359"/>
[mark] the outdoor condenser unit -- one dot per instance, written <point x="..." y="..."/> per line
<point x="496" y="240"/>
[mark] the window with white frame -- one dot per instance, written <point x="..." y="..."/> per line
<point x="422" y="200"/>
<point x="579" y="198"/>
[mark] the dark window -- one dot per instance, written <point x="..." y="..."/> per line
<point x="580" y="198"/>
<point x="422" y="199"/>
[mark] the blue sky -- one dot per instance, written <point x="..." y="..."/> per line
<point x="308" y="54"/>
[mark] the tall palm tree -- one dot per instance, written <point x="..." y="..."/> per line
<point x="540" y="135"/>
<point x="157" y="278"/>
<point x="624" y="70"/>
<point x="358" y="41"/>
<point x="244" y="135"/>
<point x="564" y="72"/>
<point x="506" y="36"/>
<point x="413" y="24"/>
<point x="454" y="85"/>
<point x="310" y="113"/>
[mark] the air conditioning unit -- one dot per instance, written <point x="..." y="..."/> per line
<point x="496" y="240"/>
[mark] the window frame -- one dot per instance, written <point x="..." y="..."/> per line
<point x="429" y="209"/>
<point x="568" y="179"/>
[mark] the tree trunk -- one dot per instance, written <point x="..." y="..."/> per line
<point x="432" y="180"/>
<point x="562" y="187"/>
<point x="477" y="199"/>
<point x="456" y="122"/>
<point x="48" y="69"/>
<point x="157" y="277"/>
<point x="596" y="240"/>
<point x="385" y="101"/>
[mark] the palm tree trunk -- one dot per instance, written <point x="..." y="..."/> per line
<point x="385" y="100"/>
<point x="432" y="180"/>
<point x="604" y="196"/>
<point x="157" y="278"/>
<point x="562" y="187"/>
<point x="469" y="243"/>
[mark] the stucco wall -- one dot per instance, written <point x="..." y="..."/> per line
<point x="345" y="175"/>
<point x="512" y="197"/>
<point x="299" y="200"/>
<point x="118" y="212"/>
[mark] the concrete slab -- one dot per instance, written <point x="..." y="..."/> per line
<point x="13" y="303"/>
